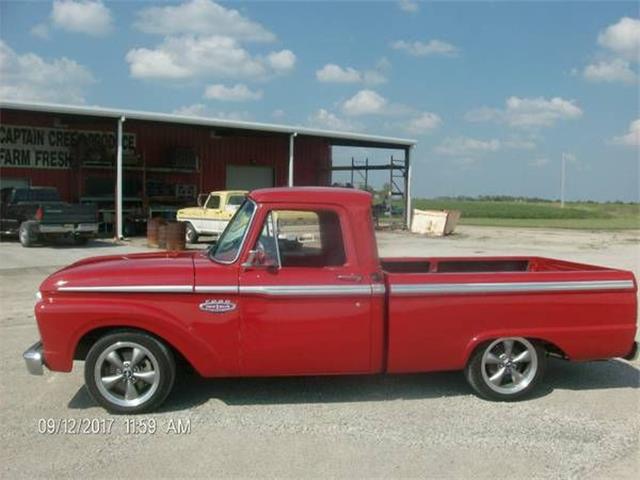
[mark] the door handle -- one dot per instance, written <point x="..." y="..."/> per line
<point x="350" y="278"/>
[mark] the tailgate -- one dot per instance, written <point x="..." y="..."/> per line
<point x="66" y="213"/>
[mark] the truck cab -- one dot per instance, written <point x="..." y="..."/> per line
<point x="212" y="214"/>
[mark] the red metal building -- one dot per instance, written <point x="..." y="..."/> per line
<point x="166" y="160"/>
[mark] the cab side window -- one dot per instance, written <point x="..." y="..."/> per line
<point x="213" y="202"/>
<point x="307" y="238"/>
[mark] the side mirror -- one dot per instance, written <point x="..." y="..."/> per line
<point x="258" y="259"/>
<point x="202" y="199"/>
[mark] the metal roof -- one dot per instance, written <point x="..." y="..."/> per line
<point x="337" y="138"/>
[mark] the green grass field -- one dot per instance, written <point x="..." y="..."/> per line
<point x="578" y="215"/>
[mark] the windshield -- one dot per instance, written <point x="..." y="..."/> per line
<point x="230" y="243"/>
<point x="36" y="195"/>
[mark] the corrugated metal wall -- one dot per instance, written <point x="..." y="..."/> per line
<point x="155" y="141"/>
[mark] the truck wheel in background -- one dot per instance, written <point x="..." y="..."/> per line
<point x="129" y="372"/>
<point x="506" y="369"/>
<point x="191" y="236"/>
<point x="28" y="233"/>
<point x="80" y="240"/>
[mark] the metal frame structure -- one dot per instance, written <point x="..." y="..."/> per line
<point x="399" y="177"/>
<point x="119" y="116"/>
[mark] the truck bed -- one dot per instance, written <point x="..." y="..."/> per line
<point x="440" y="309"/>
<point x="482" y="265"/>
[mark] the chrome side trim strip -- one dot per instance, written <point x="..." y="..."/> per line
<point x="378" y="289"/>
<point x="216" y="289"/>
<point x="509" y="287"/>
<point x="307" y="290"/>
<point x="131" y="289"/>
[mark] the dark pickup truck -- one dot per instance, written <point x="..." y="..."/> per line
<point x="37" y="214"/>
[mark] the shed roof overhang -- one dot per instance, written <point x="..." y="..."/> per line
<point x="337" y="138"/>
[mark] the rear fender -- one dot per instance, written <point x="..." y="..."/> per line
<point x="575" y="343"/>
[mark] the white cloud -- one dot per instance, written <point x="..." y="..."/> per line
<point x="373" y="77"/>
<point x="82" y="16"/>
<point x="330" y="121"/>
<point x="332" y="73"/>
<point x="539" y="162"/>
<point x="424" y="123"/>
<point x="632" y="137"/>
<point x="365" y="102"/>
<point x="616" y="70"/>
<point x="41" y="30"/>
<point x="409" y="6"/>
<point x="202" y="17"/>
<point x="201" y="110"/>
<point x="528" y="112"/>
<point x="425" y="49"/>
<point x="516" y="143"/>
<point x="30" y="77"/>
<point x="623" y="38"/>
<point x="195" y="110"/>
<point x="465" y="146"/>
<point x="204" y="39"/>
<point x="237" y="93"/>
<point x="282" y="61"/>
<point x="213" y="56"/>
<point x="278" y="113"/>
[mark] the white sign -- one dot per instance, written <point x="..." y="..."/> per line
<point x="36" y="147"/>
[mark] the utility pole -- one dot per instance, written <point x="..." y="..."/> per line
<point x="563" y="179"/>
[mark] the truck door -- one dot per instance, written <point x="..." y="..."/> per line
<point x="305" y="304"/>
<point x="214" y="219"/>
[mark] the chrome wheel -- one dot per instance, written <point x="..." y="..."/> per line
<point x="127" y="374"/>
<point x="509" y="365"/>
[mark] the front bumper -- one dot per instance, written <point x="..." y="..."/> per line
<point x="34" y="359"/>
<point x="634" y="354"/>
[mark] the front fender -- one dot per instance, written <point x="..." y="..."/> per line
<point x="63" y="321"/>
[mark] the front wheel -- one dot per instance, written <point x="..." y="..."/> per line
<point x="505" y="369"/>
<point x="191" y="236"/>
<point x="129" y="372"/>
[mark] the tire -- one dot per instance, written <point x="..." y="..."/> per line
<point x="190" y="235"/>
<point x="129" y="372"/>
<point x="28" y="234"/>
<point x="506" y="369"/>
<point x="80" y="240"/>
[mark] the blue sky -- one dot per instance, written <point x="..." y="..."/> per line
<point x="494" y="92"/>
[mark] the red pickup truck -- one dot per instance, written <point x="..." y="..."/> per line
<point x="294" y="286"/>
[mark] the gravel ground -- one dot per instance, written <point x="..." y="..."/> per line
<point x="585" y="422"/>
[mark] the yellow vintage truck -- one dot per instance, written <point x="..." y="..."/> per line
<point x="212" y="214"/>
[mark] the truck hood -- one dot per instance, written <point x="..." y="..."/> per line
<point x="138" y="270"/>
<point x="191" y="212"/>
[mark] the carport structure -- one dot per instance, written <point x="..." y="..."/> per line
<point x="119" y="158"/>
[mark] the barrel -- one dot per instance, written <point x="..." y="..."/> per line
<point x="162" y="236"/>
<point x="175" y="235"/>
<point x="153" y="227"/>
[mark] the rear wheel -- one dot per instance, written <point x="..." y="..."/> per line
<point x="80" y="240"/>
<point x="191" y="236"/>
<point x="129" y="372"/>
<point x="505" y="369"/>
<point x="28" y="233"/>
